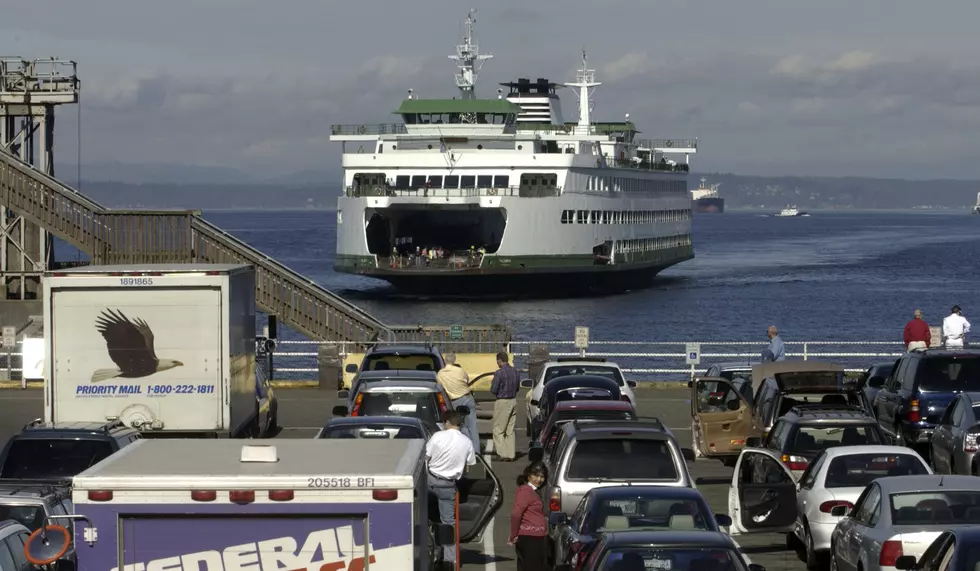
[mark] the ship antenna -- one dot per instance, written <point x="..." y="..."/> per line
<point x="470" y="60"/>
<point x="584" y="81"/>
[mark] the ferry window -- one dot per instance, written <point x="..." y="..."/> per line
<point x="567" y="216"/>
<point x="501" y="181"/>
<point x="452" y="181"/>
<point x="435" y="181"/>
<point x="484" y="181"/>
<point x="467" y="181"/>
<point x="418" y="181"/>
<point x="401" y="181"/>
<point x="583" y="216"/>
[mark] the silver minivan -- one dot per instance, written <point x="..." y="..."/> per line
<point x="592" y="454"/>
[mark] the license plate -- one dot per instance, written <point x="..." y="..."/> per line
<point x="403" y="407"/>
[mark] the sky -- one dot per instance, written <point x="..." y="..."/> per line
<point x="881" y="88"/>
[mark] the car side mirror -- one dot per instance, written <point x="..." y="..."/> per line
<point x="753" y="442"/>
<point x="445" y="534"/>
<point x="558" y="518"/>
<point x="351" y="368"/>
<point x="905" y="562"/>
<point x="534" y="402"/>
<point x="876" y="382"/>
<point x="47" y="544"/>
<point x="340" y="410"/>
<point x="463" y="410"/>
<point x="343" y="394"/>
<point x="527" y="383"/>
<point x="631" y="384"/>
<point x="723" y="520"/>
<point x="535" y="454"/>
<point x="688" y="454"/>
<point x="839" y="511"/>
<point x="734" y="405"/>
<point x="756" y="567"/>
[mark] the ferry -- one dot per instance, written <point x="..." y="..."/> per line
<point x="499" y="196"/>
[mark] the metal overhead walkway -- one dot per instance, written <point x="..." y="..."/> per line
<point x="144" y="236"/>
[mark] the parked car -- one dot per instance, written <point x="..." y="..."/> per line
<point x="806" y="430"/>
<point x="13" y="536"/>
<point x="721" y="419"/>
<point x="665" y="551"/>
<point x="609" y="453"/>
<point x="424" y="400"/>
<point x="394" y="375"/>
<point x="920" y="389"/>
<point x="393" y="356"/>
<point x="874" y="378"/>
<point x="367" y="427"/>
<point x="30" y="503"/>
<point x="573" y="387"/>
<point x="569" y="410"/>
<point x="739" y="373"/>
<point x="953" y="550"/>
<point x="629" y="508"/>
<point x="954" y="440"/>
<point x="55" y="451"/>
<point x="901" y="516"/>
<point x="563" y="367"/>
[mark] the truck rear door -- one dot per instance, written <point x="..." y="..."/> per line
<point x="141" y="353"/>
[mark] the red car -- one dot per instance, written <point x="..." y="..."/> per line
<point x="567" y="411"/>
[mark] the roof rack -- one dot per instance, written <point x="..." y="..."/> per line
<point x="619" y="422"/>
<point x="54" y="486"/>
<point x="580" y="359"/>
<point x="817" y="407"/>
<point x="112" y="425"/>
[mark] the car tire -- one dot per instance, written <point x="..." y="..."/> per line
<point x="810" y="556"/>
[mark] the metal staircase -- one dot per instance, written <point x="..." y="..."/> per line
<point x="145" y="236"/>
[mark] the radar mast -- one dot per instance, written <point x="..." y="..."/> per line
<point x="470" y="60"/>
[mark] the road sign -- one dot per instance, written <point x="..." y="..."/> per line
<point x="693" y="353"/>
<point x="456" y="332"/>
<point x="9" y="336"/>
<point x="581" y="337"/>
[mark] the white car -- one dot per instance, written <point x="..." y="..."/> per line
<point x="572" y="366"/>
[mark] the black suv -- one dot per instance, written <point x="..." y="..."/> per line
<point x="56" y="451"/>
<point x="802" y="433"/>
<point x="920" y="389"/>
<point x="401" y="357"/>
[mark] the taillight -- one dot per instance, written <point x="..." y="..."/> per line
<point x="890" y="552"/>
<point x="242" y="496"/>
<point x="357" y="405"/>
<point x="100" y="495"/>
<point x="204" y="495"/>
<point x="384" y="495"/>
<point x="913" y="414"/>
<point x="795" y="462"/>
<point x="281" y="495"/>
<point x="442" y="402"/>
<point x="970" y="442"/>
<point x="554" y="501"/>
<point x="827" y="506"/>
<point x="624" y="398"/>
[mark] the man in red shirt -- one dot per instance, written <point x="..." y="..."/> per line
<point x="917" y="334"/>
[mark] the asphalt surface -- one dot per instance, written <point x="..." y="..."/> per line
<point x="304" y="411"/>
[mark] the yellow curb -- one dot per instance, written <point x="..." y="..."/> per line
<point x="16" y="385"/>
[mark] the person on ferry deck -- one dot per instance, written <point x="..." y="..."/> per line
<point x="917" y="334"/>
<point x="776" y="351"/>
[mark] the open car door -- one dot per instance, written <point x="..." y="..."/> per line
<point x="721" y="418"/>
<point x="762" y="495"/>
<point x="480" y="496"/>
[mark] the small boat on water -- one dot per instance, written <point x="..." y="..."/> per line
<point x="976" y="207"/>
<point x="791" y="211"/>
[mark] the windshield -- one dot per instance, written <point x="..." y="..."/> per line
<point x="859" y="470"/>
<point x="606" y="371"/>
<point x="382" y="431"/>
<point x="583" y="393"/>
<point x="935" y="507"/>
<point x="31" y="517"/>
<point x="638" y="513"/>
<point x="949" y="373"/>
<point x="810" y="440"/>
<point x="31" y="458"/>
<point x="401" y="363"/>
<point x="422" y="405"/>
<point x="671" y="559"/>
<point x="622" y="459"/>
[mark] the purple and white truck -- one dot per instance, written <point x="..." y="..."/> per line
<point x="297" y="505"/>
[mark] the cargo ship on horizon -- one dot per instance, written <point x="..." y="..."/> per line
<point x="706" y="200"/>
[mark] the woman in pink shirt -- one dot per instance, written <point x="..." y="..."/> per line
<point x="528" y="526"/>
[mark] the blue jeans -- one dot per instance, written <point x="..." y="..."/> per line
<point x="446" y="493"/>
<point x="469" y="421"/>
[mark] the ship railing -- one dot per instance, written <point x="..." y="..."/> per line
<point x="681" y="144"/>
<point x="467" y="192"/>
<point x="647" y="165"/>
<point x="455" y="261"/>
<point x="642" y="361"/>
<point x="366" y="129"/>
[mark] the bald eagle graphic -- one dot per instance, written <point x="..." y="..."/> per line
<point x="130" y="346"/>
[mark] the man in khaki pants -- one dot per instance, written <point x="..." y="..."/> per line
<point x="506" y="382"/>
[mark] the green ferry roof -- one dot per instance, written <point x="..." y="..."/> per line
<point x="439" y="106"/>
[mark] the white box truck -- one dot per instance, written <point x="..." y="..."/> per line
<point x="163" y="348"/>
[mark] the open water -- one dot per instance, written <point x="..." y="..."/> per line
<point x="854" y="276"/>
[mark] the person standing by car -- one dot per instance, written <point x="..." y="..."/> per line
<point x="955" y="328"/>
<point x="528" y="526"/>
<point x="506" y="382"/>
<point x="917" y="334"/>
<point x="454" y="379"/>
<point x="448" y="453"/>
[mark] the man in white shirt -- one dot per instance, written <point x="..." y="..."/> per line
<point x="955" y="328"/>
<point x="448" y="453"/>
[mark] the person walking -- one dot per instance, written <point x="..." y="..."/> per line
<point x="448" y="453"/>
<point x="528" y="526"/>
<point x="506" y="382"/>
<point x="454" y="379"/>
<point x="955" y="328"/>
<point x="917" y="334"/>
<point x="776" y="351"/>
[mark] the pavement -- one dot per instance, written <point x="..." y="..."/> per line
<point x="304" y="411"/>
